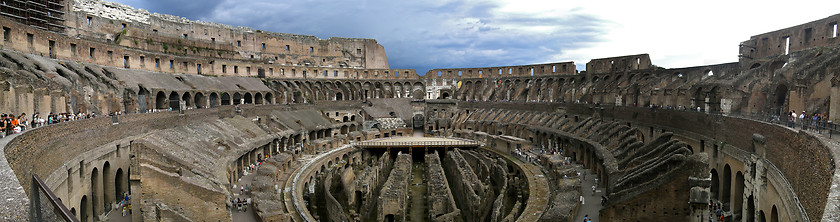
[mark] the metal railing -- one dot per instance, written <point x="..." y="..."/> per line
<point x="417" y="143"/>
<point x="819" y="126"/>
<point x="44" y="205"/>
<point x="385" y="144"/>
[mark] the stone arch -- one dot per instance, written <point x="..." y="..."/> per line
<point x="237" y="98"/>
<point x="761" y="217"/>
<point x="199" y="101"/>
<point x="738" y="193"/>
<point x="726" y="185"/>
<point x="120" y="184"/>
<point x="174" y="101"/>
<point x="248" y="99"/>
<point x="226" y="100"/>
<point x="160" y="101"/>
<point x="269" y="98"/>
<point x="188" y="100"/>
<point x="258" y="98"/>
<point x="143" y="100"/>
<point x="780" y="101"/>
<point x="85" y="214"/>
<point x="715" y="189"/>
<point x="97" y="199"/>
<point x="214" y="100"/>
<point x="750" y="209"/>
<point x="774" y="214"/>
<point x="108" y="185"/>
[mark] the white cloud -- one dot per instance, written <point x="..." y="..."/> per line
<point x="477" y="33"/>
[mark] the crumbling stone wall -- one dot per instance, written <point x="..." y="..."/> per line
<point x="392" y="202"/>
<point x="267" y="199"/>
<point x="475" y="197"/>
<point x="441" y="201"/>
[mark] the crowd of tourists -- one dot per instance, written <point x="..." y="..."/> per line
<point x="815" y="122"/>
<point x="11" y="123"/>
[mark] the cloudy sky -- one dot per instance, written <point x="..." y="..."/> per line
<point x="427" y="34"/>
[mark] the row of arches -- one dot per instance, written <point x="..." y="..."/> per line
<point x="303" y="91"/>
<point x="108" y="185"/>
<point x="638" y="90"/>
<point x="729" y="190"/>
<point x="163" y="100"/>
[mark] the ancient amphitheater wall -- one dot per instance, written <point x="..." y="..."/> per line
<point x="177" y="56"/>
<point x="813" y="34"/>
<point x="735" y="152"/>
<point x="563" y="68"/>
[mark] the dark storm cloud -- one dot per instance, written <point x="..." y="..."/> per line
<point x="416" y="35"/>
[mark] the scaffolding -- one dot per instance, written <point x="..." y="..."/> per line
<point x="43" y="14"/>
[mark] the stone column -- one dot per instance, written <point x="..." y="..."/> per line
<point x="834" y="105"/>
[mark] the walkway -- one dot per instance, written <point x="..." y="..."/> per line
<point x="14" y="204"/>
<point x="247" y="216"/>
<point x="116" y="216"/>
<point x="592" y="202"/>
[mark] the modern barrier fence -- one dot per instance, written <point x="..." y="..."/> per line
<point x="44" y="206"/>
<point x="386" y="144"/>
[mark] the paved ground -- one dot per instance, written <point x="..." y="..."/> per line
<point x="14" y="204"/>
<point x="592" y="202"/>
<point x="248" y="215"/>
<point x="116" y="216"/>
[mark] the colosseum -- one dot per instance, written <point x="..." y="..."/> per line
<point x="118" y="114"/>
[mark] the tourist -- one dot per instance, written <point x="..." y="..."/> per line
<point x="802" y="120"/>
<point x="22" y="121"/>
<point x="582" y="200"/>
<point x="2" y="125"/>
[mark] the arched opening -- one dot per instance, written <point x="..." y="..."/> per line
<point x="781" y="97"/>
<point x="738" y="194"/>
<point x="200" y="101"/>
<point x="444" y="95"/>
<point x="143" y="100"/>
<point x="339" y="96"/>
<point x="107" y="179"/>
<point x="715" y="189"/>
<point x="726" y="186"/>
<point x="237" y="98"/>
<point x="96" y="192"/>
<point x="84" y="210"/>
<point x="225" y="99"/>
<point x="750" y="209"/>
<point x="160" y="101"/>
<point x="188" y="100"/>
<point x="258" y="98"/>
<point x="174" y="101"/>
<point x="389" y="218"/>
<point x="269" y="98"/>
<point x="120" y="184"/>
<point x="213" y="100"/>
<point x="73" y="211"/>
<point x="774" y="214"/>
<point x="345" y="119"/>
<point x="761" y="216"/>
<point x="248" y="98"/>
